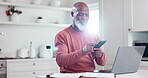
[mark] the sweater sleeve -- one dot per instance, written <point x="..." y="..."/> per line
<point x="101" y="61"/>
<point x="63" y="56"/>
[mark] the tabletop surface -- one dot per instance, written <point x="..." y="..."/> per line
<point x="79" y="75"/>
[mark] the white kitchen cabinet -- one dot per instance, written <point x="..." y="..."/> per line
<point x="30" y="68"/>
<point x="136" y="14"/>
<point x="135" y="24"/>
<point x="139" y="15"/>
<point x="135" y="21"/>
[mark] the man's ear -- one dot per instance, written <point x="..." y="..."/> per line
<point x="72" y="14"/>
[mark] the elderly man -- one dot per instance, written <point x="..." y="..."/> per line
<point x="76" y="52"/>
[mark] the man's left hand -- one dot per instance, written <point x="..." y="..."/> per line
<point x="97" y="52"/>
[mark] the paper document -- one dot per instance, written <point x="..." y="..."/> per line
<point x="66" y="75"/>
<point x="99" y="75"/>
<point x="77" y="75"/>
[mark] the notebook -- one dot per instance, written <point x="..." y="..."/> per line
<point x="127" y="60"/>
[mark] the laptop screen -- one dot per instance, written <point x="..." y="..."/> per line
<point x="127" y="59"/>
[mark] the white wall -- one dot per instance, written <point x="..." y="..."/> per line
<point x="86" y="1"/>
<point x="112" y="22"/>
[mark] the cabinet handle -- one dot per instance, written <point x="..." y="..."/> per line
<point x="33" y="72"/>
<point x="129" y="29"/>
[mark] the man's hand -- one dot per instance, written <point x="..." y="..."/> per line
<point x="98" y="52"/>
<point x="88" y="48"/>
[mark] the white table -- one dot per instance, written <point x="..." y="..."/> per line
<point x="138" y="74"/>
<point x="80" y="75"/>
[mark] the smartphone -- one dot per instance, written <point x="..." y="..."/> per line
<point x="99" y="44"/>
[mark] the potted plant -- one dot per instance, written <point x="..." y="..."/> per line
<point x="13" y="13"/>
<point x="39" y="19"/>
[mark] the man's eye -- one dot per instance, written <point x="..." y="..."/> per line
<point x="86" y="15"/>
<point x="80" y="14"/>
<point x="83" y="15"/>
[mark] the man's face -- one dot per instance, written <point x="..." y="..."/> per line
<point x="81" y="18"/>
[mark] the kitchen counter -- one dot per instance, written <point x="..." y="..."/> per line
<point x="28" y="68"/>
<point x="11" y="58"/>
<point x="7" y="58"/>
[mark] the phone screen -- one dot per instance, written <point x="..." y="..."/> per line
<point x="99" y="44"/>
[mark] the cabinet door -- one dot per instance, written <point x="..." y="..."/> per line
<point x="23" y="65"/>
<point x="46" y="65"/>
<point x="136" y="15"/>
<point x="31" y="68"/>
<point x="140" y="12"/>
<point x="13" y="66"/>
<point x="29" y="74"/>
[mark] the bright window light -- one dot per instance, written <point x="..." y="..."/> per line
<point x="93" y="23"/>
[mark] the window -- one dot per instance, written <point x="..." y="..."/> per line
<point x="93" y="23"/>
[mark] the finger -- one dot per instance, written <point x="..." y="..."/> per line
<point x="91" y="44"/>
<point x="96" y="49"/>
<point x="90" y="47"/>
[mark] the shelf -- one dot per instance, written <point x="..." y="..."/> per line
<point x="33" y="24"/>
<point x="36" y="6"/>
<point x="139" y="29"/>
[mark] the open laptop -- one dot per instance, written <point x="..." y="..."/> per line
<point x="127" y="60"/>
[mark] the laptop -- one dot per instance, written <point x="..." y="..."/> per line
<point x="127" y="60"/>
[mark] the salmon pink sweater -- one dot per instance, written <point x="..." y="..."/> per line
<point x="69" y="56"/>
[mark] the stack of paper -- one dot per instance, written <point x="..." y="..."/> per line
<point x="88" y="74"/>
<point x="66" y="75"/>
<point x="99" y="75"/>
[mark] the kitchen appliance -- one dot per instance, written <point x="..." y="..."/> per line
<point x="142" y="43"/>
<point x="45" y="51"/>
<point x="23" y="53"/>
<point x="3" y="69"/>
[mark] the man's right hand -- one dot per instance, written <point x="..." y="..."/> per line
<point x="88" y="48"/>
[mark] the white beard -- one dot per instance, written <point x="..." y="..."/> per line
<point x="79" y="25"/>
